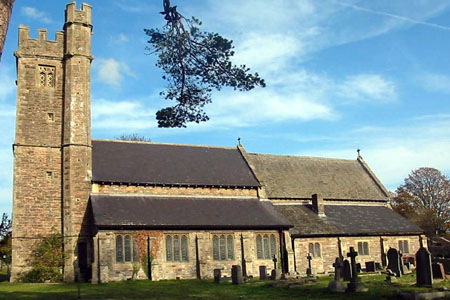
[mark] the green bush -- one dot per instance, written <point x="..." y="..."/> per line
<point x="47" y="260"/>
<point x="43" y="274"/>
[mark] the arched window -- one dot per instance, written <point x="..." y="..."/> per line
<point x="119" y="249"/>
<point x="317" y="252"/>
<point x="222" y="248"/>
<point x="273" y="245"/>
<point x="266" y="247"/>
<point x="230" y="247"/>
<point x="127" y="248"/>
<point x="42" y="79"/>
<point x="50" y="79"/>
<point x="177" y="248"/>
<point x="168" y="248"/>
<point x="135" y="250"/>
<point x="363" y="248"/>
<point x="184" y="252"/>
<point x="259" y="248"/>
<point x="215" y="248"/>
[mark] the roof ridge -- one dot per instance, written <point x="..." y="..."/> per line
<point x="303" y="156"/>
<point x="164" y="144"/>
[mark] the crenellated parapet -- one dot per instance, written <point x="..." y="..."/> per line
<point x="40" y="47"/>
<point x="83" y="16"/>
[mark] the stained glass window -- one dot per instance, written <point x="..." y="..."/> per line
<point x="119" y="249"/>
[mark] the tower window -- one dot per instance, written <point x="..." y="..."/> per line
<point x="49" y="176"/>
<point x="50" y="117"/>
<point x="46" y="76"/>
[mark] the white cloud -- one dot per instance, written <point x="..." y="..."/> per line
<point x="368" y="87"/>
<point x="35" y="14"/>
<point x="435" y="82"/>
<point x="111" y="71"/>
<point x="393" y="152"/>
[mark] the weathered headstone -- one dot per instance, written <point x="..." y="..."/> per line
<point x="355" y="284"/>
<point x="275" y="274"/>
<point x="438" y="271"/>
<point x="400" y="263"/>
<point x="378" y="267"/>
<point x="370" y="266"/>
<point x="346" y="271"/>
<point x="394" y="262"/>
<point x="262" y="272"/>
<point x="446" y="264"/>
<point x="358" y="267"/>
<point x="236" y="274"/>
<point x="337" y="286"/>
<point x="274" y="259"/>
<point x="217" y="275"/>
<point x="424" y="275"/>
<point x="309" y="270"/>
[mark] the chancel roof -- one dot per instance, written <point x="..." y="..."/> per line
<point x="122" y="211"/>
<point x="166" y="164"/>
<point x="346" y="220"/>
<point x="298" y="177"/>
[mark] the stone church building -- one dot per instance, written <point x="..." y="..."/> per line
<point x="166" y="211"/>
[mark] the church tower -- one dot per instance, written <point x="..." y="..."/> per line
<point x="52" y="149"/>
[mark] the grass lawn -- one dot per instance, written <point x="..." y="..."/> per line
<point x="202" y="289"/>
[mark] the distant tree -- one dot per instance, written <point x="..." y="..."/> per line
<point x="424" y="198"/>
<point x="194" y="62"/>
<point x="5" y="226"/>
<point x="5" y="15"/>
<point x="134" y="137"/>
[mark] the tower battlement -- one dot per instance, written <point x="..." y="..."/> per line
<point x="83" y="16"/>
<point x="40" y="46"/>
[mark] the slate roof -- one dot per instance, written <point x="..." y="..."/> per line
<point x="121" y="211"/>
<point x="299" y="177"/>
<point x="346" y="220"/>
<point x="152" y="163"/>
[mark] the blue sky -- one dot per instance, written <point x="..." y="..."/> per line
<point x="340" y="75"/>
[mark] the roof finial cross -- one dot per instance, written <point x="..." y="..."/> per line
<point x="239" y="141"/>
<point x="358" y="150"/>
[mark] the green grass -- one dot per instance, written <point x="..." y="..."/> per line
<point x="202" y="289"/>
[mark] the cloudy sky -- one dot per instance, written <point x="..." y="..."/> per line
<point x="340" y="74"/>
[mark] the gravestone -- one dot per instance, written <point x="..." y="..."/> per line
<point x="217" y="275"/>
<point x="346" y="271"/>
<point x="394" y="262"/>
<point x="275" y="274"/>
<point x="355" y="284"/>
<point x="446" y="264"/>
<point x="400" y="263"/>
<point x="424" y="275"/>
<point x="262" y="272"/>
<point x="309" y="270"/>
<point x="370" y="266"/>
<point x="438" y="271"/>
<point x="378" y="266"/>
<point x="274" y="259"/>
<point x="337" y="286"/>
<point x="358" y="267"/>
<point x="236" y="274"/>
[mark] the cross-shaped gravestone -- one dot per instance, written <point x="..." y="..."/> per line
<point x="353" y="254"/>
<point x="337" y="286"/>
<point x="338" y="265"/>
<point x="309" y="270"/>
<point x="274" y="261"/>
<point x="355" y="284"/>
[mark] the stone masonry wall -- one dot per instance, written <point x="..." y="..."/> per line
<point x="109" y="270"/>
<point x="329" y="250"/>
<point x="167" y="190"/>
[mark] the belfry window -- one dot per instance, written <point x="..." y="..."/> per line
<point x="46" y="76"/>
<point x="266" y="246"/>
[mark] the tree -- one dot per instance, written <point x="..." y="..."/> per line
<point x="134" y="137"/>
<point x="194" y="62"/>
<point x="5" y="226"/>
<point x="425" y="199"/>
<point x="5" y="14"/>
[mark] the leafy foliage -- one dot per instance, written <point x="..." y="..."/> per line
<point x="424" y="198"/>
<point x="47" y="260"/>
<point x="134" y="137"/>
<point x="194" y="63"/>
<point x="5" y="226"/>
